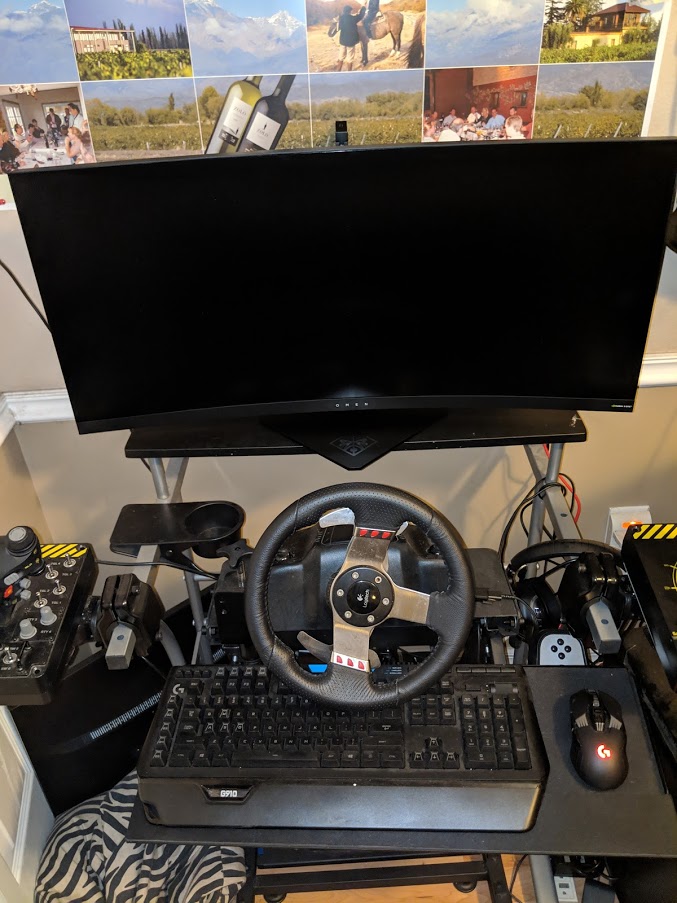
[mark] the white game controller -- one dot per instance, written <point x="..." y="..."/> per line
<point x="560" y="649"/>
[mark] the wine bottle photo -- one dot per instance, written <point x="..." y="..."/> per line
<point x="269" y="119"/>
<point x="238" y="105"/>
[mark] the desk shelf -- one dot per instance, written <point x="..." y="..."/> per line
<point x="356" y="439"/>
<point x="638" y="819"/>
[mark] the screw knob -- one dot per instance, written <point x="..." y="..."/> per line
<point x="27" y="629"/>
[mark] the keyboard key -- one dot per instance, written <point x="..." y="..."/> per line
<point x="392" y="760"/>
<point x="283" y="758"/>
<point x="451" y="760"/>
<point x="180" y="760"/>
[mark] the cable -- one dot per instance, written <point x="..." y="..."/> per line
<point x="544" y="551"/>
<point x="515" y="869"/>
<point x="537" y="491"/>
<point x="147" y="564"/>
<point x="25" y="294"/>
<point x="575" y="500"/>
<point x="154" y="667"/>
<point x="547" y="532"/>
<point x="566" y="479"/>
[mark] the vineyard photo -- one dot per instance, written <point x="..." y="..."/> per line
<point x="152" y="45"/>
<point x="141" y="119"/>
<point x="381" y="107"/>
<point x="593" y="101"/>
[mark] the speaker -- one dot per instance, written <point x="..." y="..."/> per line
<point x="341" y="132"/>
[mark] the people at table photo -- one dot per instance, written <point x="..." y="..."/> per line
<point x="496" y="120"/>
<point x="479" y="125"/>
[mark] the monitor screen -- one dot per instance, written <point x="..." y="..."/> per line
<point x="194" y="290"/>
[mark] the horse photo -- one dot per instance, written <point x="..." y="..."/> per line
<point x="388" y="22"/>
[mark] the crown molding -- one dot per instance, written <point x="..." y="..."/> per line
<point x="41" y="406"/>
<point x="658" y="370"/>
<point x="53" y="405"/>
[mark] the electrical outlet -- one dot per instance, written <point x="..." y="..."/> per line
<point x="566" y="889"/>
<point x="620" y="519"/>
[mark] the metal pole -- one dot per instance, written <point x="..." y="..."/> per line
<point x="537" y="519"/>
<point x="202" y="643"/>
<point x="157" y="470"/>
<point x="544" y="882"/>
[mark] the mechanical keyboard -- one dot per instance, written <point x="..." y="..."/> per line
<point x="233" y="746"/>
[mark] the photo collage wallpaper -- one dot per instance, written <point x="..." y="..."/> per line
<point x="86" y="81"/>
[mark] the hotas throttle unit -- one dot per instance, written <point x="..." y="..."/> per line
<point x="43" y="591"/>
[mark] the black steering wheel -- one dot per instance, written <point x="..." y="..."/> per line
<point x="362" y="595"/>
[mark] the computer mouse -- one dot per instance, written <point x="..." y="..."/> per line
<point x="598" y="739"/>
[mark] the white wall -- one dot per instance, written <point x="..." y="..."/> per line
<point x="627" y="459"/>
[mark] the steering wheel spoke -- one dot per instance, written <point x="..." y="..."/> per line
<point x="369" y="547"/>
<point x="410" y="605"/>
<point x="351" y="646"/>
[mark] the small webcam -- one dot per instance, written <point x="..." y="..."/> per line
<point x="341" y="132"/>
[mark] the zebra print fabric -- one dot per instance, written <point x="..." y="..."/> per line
<point x="87" y="860"/>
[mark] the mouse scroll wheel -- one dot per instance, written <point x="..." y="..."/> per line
<point x="599" y="719"/>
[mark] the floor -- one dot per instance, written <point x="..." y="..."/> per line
<point x="522" y="890"/>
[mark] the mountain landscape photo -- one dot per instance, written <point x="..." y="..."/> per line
<point x="26" y="30"/>
<point x="226" y="39"/>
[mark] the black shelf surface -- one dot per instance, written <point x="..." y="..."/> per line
<point x="638" y="819"/>
<point x="451" y="429"/>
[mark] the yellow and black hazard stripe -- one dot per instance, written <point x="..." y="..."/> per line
<point x="62" y="549"/>
<point x="655" y="531"/>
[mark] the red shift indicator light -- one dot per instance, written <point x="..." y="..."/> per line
<point x="603" y="751"/>
<point x="375" y="534"/>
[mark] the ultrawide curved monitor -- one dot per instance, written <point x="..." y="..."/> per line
<point x="503" y="274"/>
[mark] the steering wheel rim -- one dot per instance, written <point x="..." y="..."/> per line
<point x="378" y="512"/>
